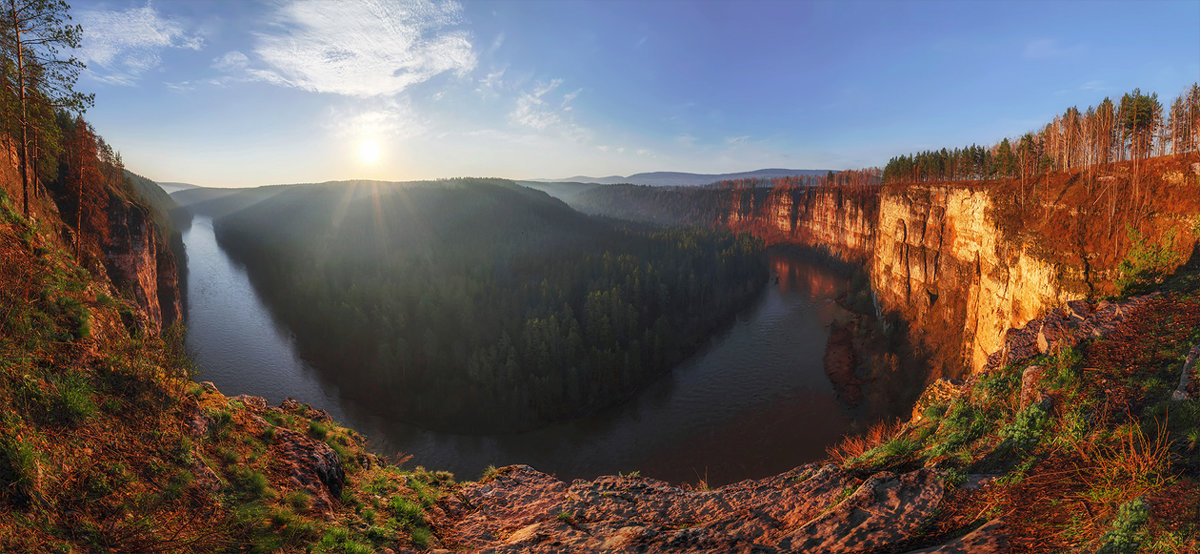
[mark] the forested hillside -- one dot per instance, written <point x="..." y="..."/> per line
<point x="500" y="304"/>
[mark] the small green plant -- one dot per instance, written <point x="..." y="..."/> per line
<point x="1126" y="532"/>
<point x="566" y="517"/>
<point x="420" y="536"/>
<point x="380" y="534"/>
<point x="75" y="318"/>
<point x="317" y="429"/>
<point x="179" y="483"/>
<point x="250" y="483"/>
<point x="1146" y="262"/>
<point x="298" y="500"/>
<point x="963" y="424"/>
<point x="489" y="472"/>
<point x="341" y="539"/>
<point x="73" y="398"/>
<point x="182" y="450"/>
<point x="1026" y="429"/>
<point x="18" y="469"/>
<point x="276" y="419"/>
<point x="408" y="512"/>
<point x="229" y="455"/>
<point x="220" y="418"/>
<point x="631" y="475"/>
<point x="935" y="411"/>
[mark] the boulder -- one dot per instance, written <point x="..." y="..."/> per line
<point x="310" y="464"/>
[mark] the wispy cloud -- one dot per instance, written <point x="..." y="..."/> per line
<point x="544" y="111"/>
<point x="119" y="46"/>
<point x="496" y="43"/>
<point x="231" y="61"/>
<point x="1051" y="48"/>
<point x="737" y="140"/>
<point x="570" y="97"/>
<point x="489" y="85"/>
<point x="388" y="118"/>
<point x="363" y="49"/>
<point x="533" y="110"/>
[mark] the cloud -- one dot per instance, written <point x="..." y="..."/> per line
<point x="533" y="110"/>
<point x="490" y="84"/>
<point x="737" y="140"/>
<point x="121" y="45"/>
<point x="1051" y="48"/>
<point x="232" y="61"/>
<point x="389" y="118"/>
<point x="570" y="96"/>
<point x="363" y="49"/>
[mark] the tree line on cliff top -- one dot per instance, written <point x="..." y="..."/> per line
<point x="1134" y="128"/>
<point x="59" y="154"/>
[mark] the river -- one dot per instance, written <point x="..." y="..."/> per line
<point x="755" y="401"/>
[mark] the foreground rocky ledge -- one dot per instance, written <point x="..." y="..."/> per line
<point x="811" y="508"/>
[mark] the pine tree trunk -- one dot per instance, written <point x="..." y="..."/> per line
<point x="16" y="25"/>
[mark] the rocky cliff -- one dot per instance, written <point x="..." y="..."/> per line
<point x="123" y="242"/>
<point x="941" y="258"/>
<point x="138" y="260"/>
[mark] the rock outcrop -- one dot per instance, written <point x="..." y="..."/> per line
<point x="1062" y="328"/>
<point x="138" y="261"/>
<point x="811" y="508"/>
<point x="936" y="258"/>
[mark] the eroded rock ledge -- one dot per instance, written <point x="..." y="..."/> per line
<point x="812" y="508"/>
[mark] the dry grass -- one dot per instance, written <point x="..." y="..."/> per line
<point x="855" y="446"/>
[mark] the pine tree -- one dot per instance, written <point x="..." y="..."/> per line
<point x="32" y="35"/>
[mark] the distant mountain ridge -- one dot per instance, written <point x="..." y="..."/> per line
<point x="682" y="179"/>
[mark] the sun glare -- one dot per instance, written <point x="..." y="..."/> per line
<point x="368" y="151"/>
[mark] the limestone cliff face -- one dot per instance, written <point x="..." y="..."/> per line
<point x="934" y="255"/>
<point x="832" y="219"/>
<point x="941" y="261"/>
<point x="137" y="260"/>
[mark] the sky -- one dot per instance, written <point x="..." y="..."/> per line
<point x="239" y="93"/>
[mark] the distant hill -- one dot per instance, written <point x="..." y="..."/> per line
<point x="216" y="202"/>
<point x="680" y="179"/>
<point x="176" y="187"/>
<point x="565" y="191"/>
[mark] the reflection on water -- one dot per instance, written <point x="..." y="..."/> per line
<point x="755" y="402"/>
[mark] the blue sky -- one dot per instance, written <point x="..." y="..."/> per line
<point x="237" y="93"/>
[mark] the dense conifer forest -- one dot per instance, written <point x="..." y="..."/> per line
<point x="497" y="303"/>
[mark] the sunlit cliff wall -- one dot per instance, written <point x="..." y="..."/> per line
<point x="934" y="255"/>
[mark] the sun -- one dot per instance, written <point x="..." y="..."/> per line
<point x="368" y="151"/>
